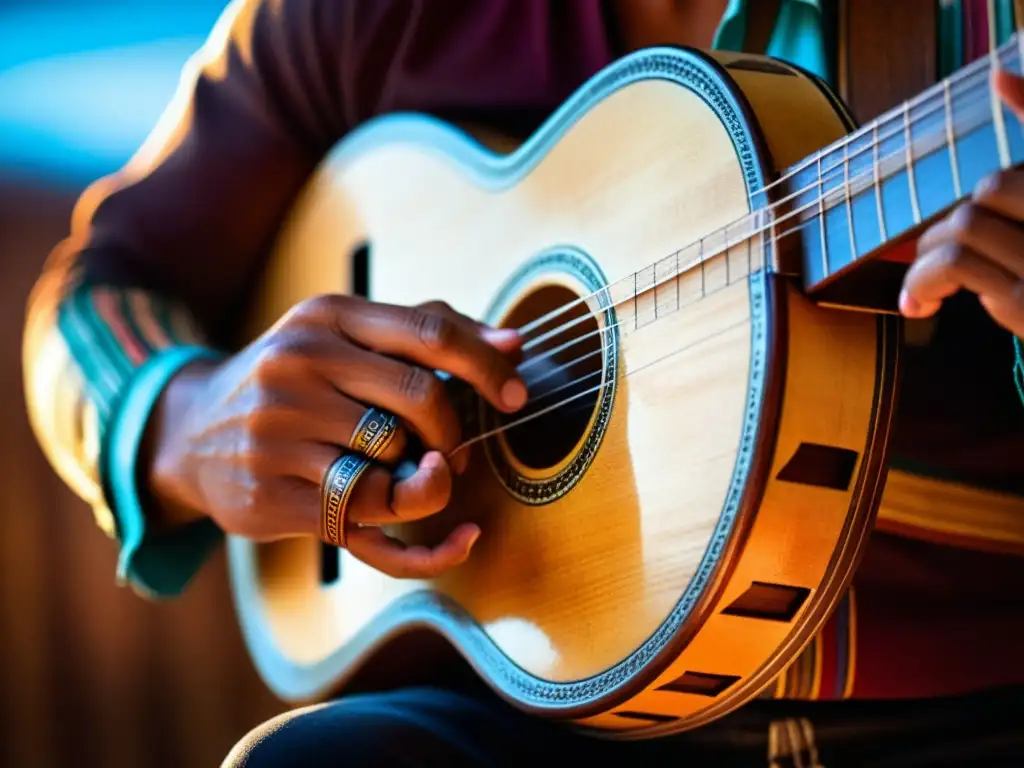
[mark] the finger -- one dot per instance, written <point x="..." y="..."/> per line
<point x="334" y="419"/>
<point x="433" y="339"/>
<point x="390" y="556"/>
<point x="937" y="234"/>
<point x="506" y="340"/>
<point x="1010" y="88"/>
<point x="1009" y="312"/>
<point x="1003" y="193"/>
<point x="945" y="270"/>
<point x="378" y="498"/>
<point x="982" y="231"/>
<point x="417" y="396"/>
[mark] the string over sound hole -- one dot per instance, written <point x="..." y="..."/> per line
<point x="562" y="366"/>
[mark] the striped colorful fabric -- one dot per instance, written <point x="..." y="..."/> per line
<point x="112" y="331"/>
<point x="965" y="34"/>
<point x="101" y="338"/>
<point x="826" y="668"/>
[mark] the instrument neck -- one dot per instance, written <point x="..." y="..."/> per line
<point x="856" y="201"/>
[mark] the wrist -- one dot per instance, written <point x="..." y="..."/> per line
<point x="166" y="472"/>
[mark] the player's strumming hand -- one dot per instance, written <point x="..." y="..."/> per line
<point x="979" y="246"/>
<point x="248" y="442"/>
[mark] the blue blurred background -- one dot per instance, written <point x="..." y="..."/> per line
<point x="82" y="81"/>
<point x="93" y="675"/>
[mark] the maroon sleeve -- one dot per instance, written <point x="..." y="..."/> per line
<point x="161" y="254"/>
<point x="197" y="206"/>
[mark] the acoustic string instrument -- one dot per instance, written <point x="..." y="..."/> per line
<point x="703" y="254"/>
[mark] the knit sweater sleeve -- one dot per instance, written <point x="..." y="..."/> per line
<point x="160" y="255"/>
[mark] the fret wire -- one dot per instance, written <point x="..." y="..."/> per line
<point x="703" y="277"/>
<point x="678" y="280"/>
<point x="911" y="180"/>
<point x="849" y="202"/>
<point x="725" y="242"/>
<point x="878" y="181"/>
<point x="636" y="312"/>
<point x="954" y="163"/>
<point x="750" y="255"/>
<point x="654" y="285"/>
<point x="999" y="123"/>
<point x="821" y="222"/>
<point x="962" y="79"/>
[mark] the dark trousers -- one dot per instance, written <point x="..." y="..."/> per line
<point x="431" y="727"/>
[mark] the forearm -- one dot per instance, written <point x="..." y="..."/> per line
<point x="169" y="504"/>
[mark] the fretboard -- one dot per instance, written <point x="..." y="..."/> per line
<point x="883" y="182"/>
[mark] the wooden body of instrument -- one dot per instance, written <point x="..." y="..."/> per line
<point x="655" y="558"/>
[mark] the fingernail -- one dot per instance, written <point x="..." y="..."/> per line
<point x="431" y="461"/>
<point x="513" y="394"/>
<point x="908" y="306"/>
<point x="986" y="185"/>
<point x="499" y="335"/>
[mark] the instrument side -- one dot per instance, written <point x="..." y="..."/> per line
<point x="609" y="605"/>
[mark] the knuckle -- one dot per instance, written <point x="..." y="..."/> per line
<point x="285" y="355"/>
<point x="319" y="307"/>
<point x="437" y="306"/>
<point x="324" y="311"/>
<point x="268" y="418"/>
<point x="420" y="387"/>
<point x="994" y="183"/>
<point x="246" y="514"/>
<point x="434" y="330"/>
<point x="263" y="502"/>
<point x="1017" y="297"/>
<point x="950" y="257"/>
<point x="967" y="219"/>
<point x="275" y="360"/>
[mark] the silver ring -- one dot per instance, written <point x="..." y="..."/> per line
<point x="335" y="492"/>
<point x="374" y="433"/>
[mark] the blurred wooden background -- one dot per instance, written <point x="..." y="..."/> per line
<point x="93" y="675"/>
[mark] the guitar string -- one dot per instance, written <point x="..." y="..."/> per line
<point x="977" y="108"/>
<point x="811" y="204"/>
<point x="968" y="87"/>
<point x="755" y="215"/>
<point x="969" y="70"/>
<point x="568" y="400"/>
<point x="518" y="422"/>
<point x="971" y="91"/>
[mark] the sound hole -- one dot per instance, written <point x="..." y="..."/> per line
<point x="563" y="373"/>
